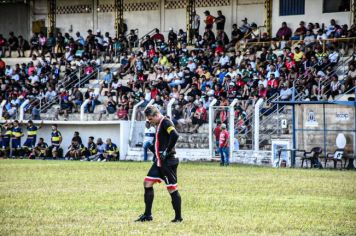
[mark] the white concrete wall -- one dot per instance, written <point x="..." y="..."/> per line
<point x="313" y="13"/>
<point x="79" y="22"/>
<point x="116" y="130"/>
<point x="14" y="17"/>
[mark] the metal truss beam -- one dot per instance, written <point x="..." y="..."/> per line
<point x="190" y="8"/>
<point x="51" y="17"/>
<point x="268" y="16"/>
<point x="119" y="17"/>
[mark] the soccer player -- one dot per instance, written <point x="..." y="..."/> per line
<point x="16" y="139"/>
<point x="30" y="142"/>
<point x="41" y="150"/>
<point x="165" y="164"/>
<point x="75" y="151"/>
<point x="112" y="152"/>
<point x="91" y="150"/>
<point x="56" y="141"/>
<point x="6" y="139"/>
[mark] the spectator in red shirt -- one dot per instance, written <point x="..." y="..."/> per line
<point x="224" y="139"/>
<point x="209" y="20"/>
<point x="284" y="33"/>
<point x="157" y="36"/>
<point x="122" y="113"/>
<point x="199" y="116"/>
<point x="217" y="132"/>
<point x="300" y="31"/>
<point x="2" y="67"/>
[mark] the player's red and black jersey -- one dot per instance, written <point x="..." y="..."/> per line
<point x="165" y="140"/>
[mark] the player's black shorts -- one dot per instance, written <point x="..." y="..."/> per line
<point x="166" y="173"/>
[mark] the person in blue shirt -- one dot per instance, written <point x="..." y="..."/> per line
<point x="107" y="79"/>
<point x="111" y="151"/>
<point x="16" y="140"/>
<point x="30" y="142"/>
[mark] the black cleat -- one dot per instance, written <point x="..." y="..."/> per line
<point x="143" y="218"/>
<point x="177" y="220"/>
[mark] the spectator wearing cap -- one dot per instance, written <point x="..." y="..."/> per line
<point x="224" y="139"/>
<point x="209" y="20"/>
<point x="255" y="33"/>
<point x="245" y="27"/>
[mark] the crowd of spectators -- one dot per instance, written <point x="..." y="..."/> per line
<point x="249" y="65"/>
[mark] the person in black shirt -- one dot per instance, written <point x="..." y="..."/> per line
<point x="220" y="22"/>
<point x="165" y="164"/>
<point x="13" y="43"/>
<point x="236" y="35"/>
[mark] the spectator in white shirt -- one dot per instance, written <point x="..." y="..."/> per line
<point x="309" y="38"/>
<point x="224" y="59"/>
<point x="50" y="94"/>
<point x="150" y="132"/>
<point x="285" y="93"/>
<point x="333" y="56"/>
<point x="8" y="71"/>
<point x="33" y="78"/>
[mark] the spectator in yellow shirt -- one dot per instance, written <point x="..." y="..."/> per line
<point x="298" y="55"/>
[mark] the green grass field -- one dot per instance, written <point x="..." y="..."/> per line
<point x="76" y="198"/>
